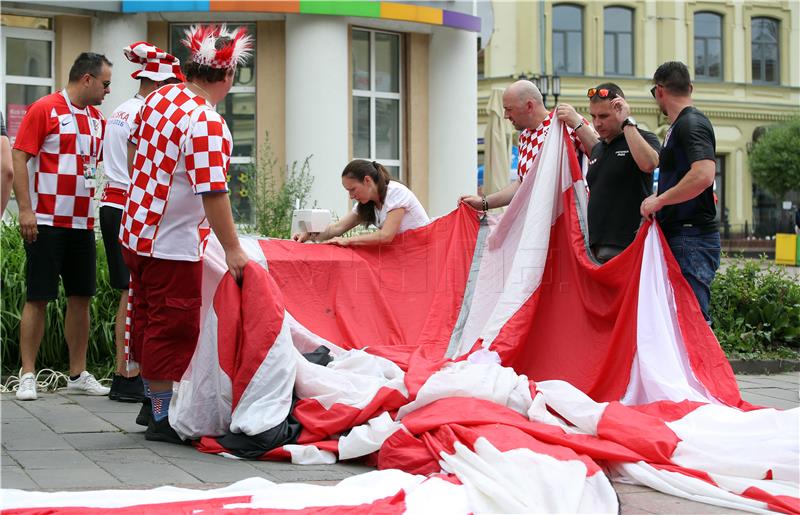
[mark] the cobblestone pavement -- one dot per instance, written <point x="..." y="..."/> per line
<point x="71" y="442"/>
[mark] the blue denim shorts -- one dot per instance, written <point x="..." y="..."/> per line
<point x="698" y="257"/>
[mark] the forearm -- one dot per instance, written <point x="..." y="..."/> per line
<point x="21" y="188"/>
<point x="588" y="137"/>
<point x="503" y="197"/>
<point x="696" y="180"/>
<point x="373" y="238"/>
<point x="217" y="207"/>
<point x="643" y="154"/>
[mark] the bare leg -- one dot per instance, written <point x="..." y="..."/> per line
<point x="31" y="331"/>
<point x="76" y="331"/>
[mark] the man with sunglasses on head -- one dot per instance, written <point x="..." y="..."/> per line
<point x="524" y="108"/>
<point x="684" y="205"/>
<point x="55" y="156"/>
<point x="619" y="175"/>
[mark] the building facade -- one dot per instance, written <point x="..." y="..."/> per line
<point x="742" y="56"/>
<point x="385" y="81"/>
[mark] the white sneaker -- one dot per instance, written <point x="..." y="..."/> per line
<point x="86" y="384"/>
<point x="26" y="390"/>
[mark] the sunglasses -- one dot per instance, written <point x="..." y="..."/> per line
<point x="106" y="83"/>
<point x="602" y="93"/>
<point x="653" y="90"/>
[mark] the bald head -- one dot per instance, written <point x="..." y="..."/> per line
<point x="523" y="105"/>
<point x="523" y="91"/>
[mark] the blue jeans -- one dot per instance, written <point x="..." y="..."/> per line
<point x="698" y="257"/>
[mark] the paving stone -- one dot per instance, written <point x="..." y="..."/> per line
<point x="30" y="435"/>
<point x="104" y="404"/>
<point x="65" y="416"/>
<point x="778" y="393"/>
<point x="93" y="478"/>
<point x="781" y="381"/>
<point x="12" y="409"/>
<point x="100" y="441"/>
<point x="625" y="488"/>
<point x="770" y="402"/>
<point x="656" y="502"/>
<point x="7" y="460"/>
<point x="57" y="459"/>
<point x="303" y="475"/>
<point x="122" y="421"/>
<point x="140" y="467"/>
<point x="15" y="477"/>
<point x="221" y="470"/>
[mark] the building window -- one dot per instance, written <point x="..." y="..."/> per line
<point x="765" y="50"/>
<point x="28" y="75"/>
<point x="567" y="40"/>
<point x="377" y="98"/>
<point x="238" y="109"/>
<point x="618" y="40"/>
<point x="708" y="46"/>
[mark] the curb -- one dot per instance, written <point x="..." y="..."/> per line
<point x="767" y="366"/>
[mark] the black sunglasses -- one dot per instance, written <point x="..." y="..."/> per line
<point x="653" y="90"/>
<point x="106" y="83"/>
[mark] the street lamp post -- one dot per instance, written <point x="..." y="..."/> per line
<point x="545" y="83"/>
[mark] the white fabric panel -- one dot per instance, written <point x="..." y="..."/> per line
<point x="352" y="379"/>
<point x="687" y="487"/>
<point x="309" y="455"/>
<point x="572" y="404"/>
<point x="712" y="438"/>
<point x="267" y="400"/>
<point x="513" y="262"/>
<point x="479" y="381"/>
<point x="660" y="353"/>
<point x="367" y="438"/>
<point x="524" y="481"/>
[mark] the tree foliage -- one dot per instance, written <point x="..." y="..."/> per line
<point x="775" y="159"/>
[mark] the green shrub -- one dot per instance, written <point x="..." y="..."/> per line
<point x="272" y="200"/>
<point x="755" y="306"/>
<point x="53" y="352"/>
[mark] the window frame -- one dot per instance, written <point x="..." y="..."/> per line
<point x="581" y="31"/>
<point x="721" y="19"/>
<point x="24" y="80"/>
<point x="616" y="73"/>
<point x="373" y="94"/>
<point x="777" y="44"/>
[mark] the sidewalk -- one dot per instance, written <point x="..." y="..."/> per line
<point x="72" y="442"/>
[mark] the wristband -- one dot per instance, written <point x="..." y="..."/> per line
<point x="578" y="126"/>
<point x="485" y="204"/>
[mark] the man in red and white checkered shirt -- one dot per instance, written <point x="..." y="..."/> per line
<point x="524" y="107"/>
<point x="157" y="68"/>
<point x="55" y="156"/>
<point x="177" y="196"/>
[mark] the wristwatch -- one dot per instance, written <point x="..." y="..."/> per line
<point x="629" y="121"/>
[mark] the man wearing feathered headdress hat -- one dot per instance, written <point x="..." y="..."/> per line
<point x="156" y="68"/>
<point x="178" y="195"/>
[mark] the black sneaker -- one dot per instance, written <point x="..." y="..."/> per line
<point x="146" y="413"/>
<point x="161" y="431"/>
<point x="127" y="389"/>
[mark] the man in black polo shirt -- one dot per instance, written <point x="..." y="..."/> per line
<point x="684" y="205"/>
<point x="619" y="174"/>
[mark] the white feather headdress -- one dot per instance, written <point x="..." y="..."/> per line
<point x="202" y="41"/>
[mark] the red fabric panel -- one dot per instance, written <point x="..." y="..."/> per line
<point x="779" y="503"/>
<point x="668" y="411"/>
<point x="406" y="293"/>
<point x="319" y="422"/>
<point x="249" y="320"/>
<point x="697" y="474"/>
<point x="579" y="310"/>
<point x="640" y="432"/>
<point x="409" y="453"/>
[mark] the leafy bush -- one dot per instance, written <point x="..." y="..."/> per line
<point x="53" y="352"/>
<point x="774" y="160"/>
<point x="755" y="306"/>
<point x="272" y="200"/>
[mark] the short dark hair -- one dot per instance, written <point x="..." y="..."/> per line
<point x="87" y="62"/>
<point x="194" y="70"/>
<point x="674" y="76"/>
<point x="614" y="91"/>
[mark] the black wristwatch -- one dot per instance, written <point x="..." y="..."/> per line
<point x="629" y="121"/>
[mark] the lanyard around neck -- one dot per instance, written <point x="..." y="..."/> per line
<point x="77" y="129"/>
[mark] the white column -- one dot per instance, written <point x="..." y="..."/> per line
<point x="453" y="118"/>
<point x="110" y="34"/>
<point x="317" y="103"/>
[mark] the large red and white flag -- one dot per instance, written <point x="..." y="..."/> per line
<point x="482" y="365"/>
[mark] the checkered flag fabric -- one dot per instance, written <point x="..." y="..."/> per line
<point x="156" y="64"/>
<point x="530" y="143"/>
<point x="183" y="149"/>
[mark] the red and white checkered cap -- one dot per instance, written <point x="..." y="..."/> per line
<point x="156" y="64"/>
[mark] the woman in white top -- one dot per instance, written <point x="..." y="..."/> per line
<point x="382" y="202"/>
